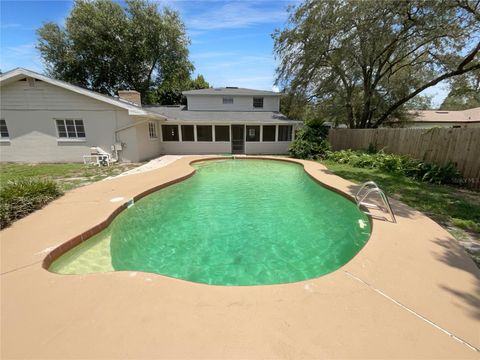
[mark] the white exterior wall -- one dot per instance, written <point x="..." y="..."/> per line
<point x="30" y="114"/>
<point x="147" y="148"/>
<point x="267" y="148"/>
<point x="240" y="103"/>
<point x="195" y="148"/>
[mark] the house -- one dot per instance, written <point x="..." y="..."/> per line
<point x="47" y="120"/>
<point x="226" y="120"/>
<point x="442" y="118"/>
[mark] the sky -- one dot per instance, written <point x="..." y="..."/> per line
<point x="231" y="43"/>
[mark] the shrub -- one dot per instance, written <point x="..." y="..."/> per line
<point x="19" y="198"/>
<point x="400" y="164"/>
<point x="310" y="142"/>
<point x="303" y="149"/>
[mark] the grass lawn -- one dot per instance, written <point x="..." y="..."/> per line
<point x="68" y="176"/>
<point x="456" y="209"/>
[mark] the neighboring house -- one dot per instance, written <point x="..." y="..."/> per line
<point x="442" y="118"/>
<point x="47" y="120"/>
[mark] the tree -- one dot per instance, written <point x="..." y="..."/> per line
<point x="198" y="83"/>
<point x="170" y="92"/>
<point x="464" y="93"/>
<point x="364" y="62"/>
<point x="105" y="47"/>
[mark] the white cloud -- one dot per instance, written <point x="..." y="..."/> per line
<point x="10" y="26"/>
<point x="25" y="55"/>
<point x="212" y="54"/>
<point x="237" y="61"/>
<point x="235" y="15"/>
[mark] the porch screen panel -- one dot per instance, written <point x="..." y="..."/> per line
<point x="268" y="133"/>
<point x="170" y="133"/>
<point x="204" y="133"/>
<point x="222" y="133"/>
<point x="253" y="133"/>
<point x="285" y="133"/>
<point x="187" y="133"/>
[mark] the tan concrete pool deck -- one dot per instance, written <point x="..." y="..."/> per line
<point x="412" y="292"/>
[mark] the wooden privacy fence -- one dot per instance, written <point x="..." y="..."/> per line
<point x="461" y="146"/>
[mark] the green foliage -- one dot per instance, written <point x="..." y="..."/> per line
<point x="105" y="47"/>
<point x="170" y="93"/>
<point x="445" y="204"/>
<point x="310" y="142"/>
<point x="397" y="164"/>
<point x="365" y="62"/>
<point x="19" y="198"/>
<point x="464" y="92"/>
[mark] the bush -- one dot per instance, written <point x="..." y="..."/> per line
<point x="303" y="149"/>
<point x="310" y="142"/>
<point x="19" y="198"/>
<point x="400" y="164"/>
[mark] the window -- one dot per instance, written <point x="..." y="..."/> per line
<point x="204" y="133"/>
<point x="222" y="133"/>
<point x="152" y="130"/>
<point x="253" y="133"/>
<point x="268" y="133"/>
<point x="284" y="132"/>
<point x="70" y="128"/>
<point x="170" y="132"/>
<point x="187" y="133"/>
<point x="3" y="129"/>
<point x="228" y="100"/>
<point x="258" y="102"/>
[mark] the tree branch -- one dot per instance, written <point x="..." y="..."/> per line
<point x="391" y="109"/>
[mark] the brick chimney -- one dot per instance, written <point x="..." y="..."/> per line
<point x="130" y="95"/>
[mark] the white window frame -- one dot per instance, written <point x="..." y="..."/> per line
<point x="256" y="98"/>
<point x="152" y="130"/>
<point x="5" y="138"/>
<point x="68" y="138"/>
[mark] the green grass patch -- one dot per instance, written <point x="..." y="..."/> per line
<point x="25" y="188"/>
<point x="51" y="171"/>
<point x="20" y="197"/>
<point x="68" y="176"/>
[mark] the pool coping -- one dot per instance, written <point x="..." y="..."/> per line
<point x="452" y="284"/>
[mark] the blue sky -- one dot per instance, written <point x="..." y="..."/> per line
<point x="231" y="42"/>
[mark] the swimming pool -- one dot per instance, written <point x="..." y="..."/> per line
<point x="235" y="222"/>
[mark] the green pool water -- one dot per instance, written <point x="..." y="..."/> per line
<point x="235" y="222"/>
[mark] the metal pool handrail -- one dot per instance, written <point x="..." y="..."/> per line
<point x="368" y="188"/>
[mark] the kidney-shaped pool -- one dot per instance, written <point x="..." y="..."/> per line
<point x="234" y="222"/>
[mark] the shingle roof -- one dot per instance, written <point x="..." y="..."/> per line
<point x="231" y="91"/>
<point x="180" y="113"/>
<point x="470" y="115"/>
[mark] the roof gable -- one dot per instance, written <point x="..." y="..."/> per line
<point x="19" y="73"/>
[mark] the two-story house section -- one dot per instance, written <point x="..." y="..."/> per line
<point x="226" y="120"/>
